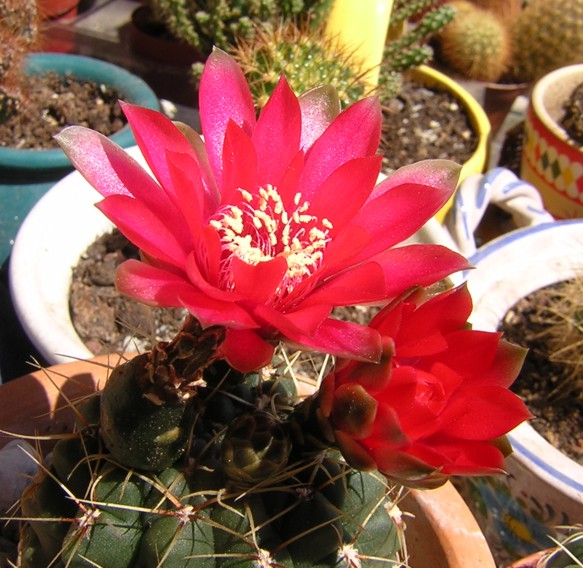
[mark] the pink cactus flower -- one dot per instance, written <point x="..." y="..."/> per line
<point x="270" y="222"/>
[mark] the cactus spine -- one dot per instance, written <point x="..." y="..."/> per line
<point x="306" y="57"/>
<point x="310" y="58"/>
<point x="242" y="489"/>
<point x="547" y="34"/>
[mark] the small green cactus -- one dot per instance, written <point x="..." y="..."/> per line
<point x="309" y="58"/>
<point x="19" y="35"/>
<point x="476" y="43"/>
<point x="242" y="489"/>
<point x="306" y="57"/>
<point x="220" y="23"/>
<point x="411" y="49"/>
<point x="547" y="34"/>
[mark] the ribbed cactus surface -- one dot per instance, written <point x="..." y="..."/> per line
<point x="212" y="473"/>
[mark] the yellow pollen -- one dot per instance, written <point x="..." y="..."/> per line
<point x="260" y="228"/>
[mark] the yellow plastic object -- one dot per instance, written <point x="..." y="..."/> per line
<point x="477" y="116"/>
<point x="362" y="25"/>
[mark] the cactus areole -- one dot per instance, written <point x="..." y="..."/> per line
<point x="203" y="452"/>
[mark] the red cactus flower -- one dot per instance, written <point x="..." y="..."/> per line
<point x="438" y="404"/>
<point x="269" y="223"/>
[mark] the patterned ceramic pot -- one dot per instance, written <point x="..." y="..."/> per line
<point x="544" y="487"/>
<point x="550" y="161"/>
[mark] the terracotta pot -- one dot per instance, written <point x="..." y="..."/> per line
<point x="498" y="100"/>
<point x="443" y="533"/>
<point x="550" y="161"/>
<point x="478" y="120"/>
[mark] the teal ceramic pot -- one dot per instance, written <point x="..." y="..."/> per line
<point x="26" y="175"/>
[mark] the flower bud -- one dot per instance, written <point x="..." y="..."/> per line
<point x="255" y="448"/>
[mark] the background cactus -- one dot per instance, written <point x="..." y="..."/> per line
<point x="310" y="58"/>
<point x="518" y="44"/>
<point x="477" y="43"/>
<point x="307" y="58"/>
<point x="208" y="23"/>
<point x="19" y="35"/>
<point x="420" y="19"/>
<point x="245" y="490"/>
<point x="547" y="34"/>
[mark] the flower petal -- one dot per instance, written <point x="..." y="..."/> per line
<point x="277" y="134"/>
<point x="360" y="285"/>
<point x="355" y="133"/>
<point x="239" y="164"/>
<point x="405" y="202"/>
<point x="246" y="351"/>
<point x="150" y="285"/>
<point x="319" y="106"/>
<point x="344" y="192"/>
<point x="344" y="339"/>
<point x="258" y="283"/>
<point x="481" y="413"/>
<point x="418" y="265"/>
<point x="223" y="96"/>
<point x="144" y="228"/>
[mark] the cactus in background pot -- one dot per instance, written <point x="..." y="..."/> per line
<point x="310" y="58"/>
<point x="547" y="34"/>
<point x="476" y="43"/>
<point x="420" y="20"/>
<point x="19" y="35"/>
<point x="307" y="58"/>
<point x="220" y="23"/>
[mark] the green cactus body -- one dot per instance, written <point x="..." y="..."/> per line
<point x="411" y="49"/>
<point x="221" y="23"/>
<point x="476" y="44"/>
<point x="307" y="58"/>
<point x="108" y="529"/>
<point x="547" y="34"/>
<point x="140" y="432"/>
<point x="246" y="495"/>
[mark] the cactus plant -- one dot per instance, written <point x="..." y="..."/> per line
<point x="476" y="43"/>
<point x="203" y="470"/>
<point x="19" y="35"/>
<point x="306" y="57"/>
<point x="200" y="453"/>
<point x="411" y="48"/>
<point x="309" y="57"/>
<point x="220" y="23"/>
<point x="547" y="34"/>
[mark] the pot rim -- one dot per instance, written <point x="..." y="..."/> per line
<point x="494" y="291"/>
<point x="131" y="88"/>
<point x="550" y="92"/>
<point x="43" y="307"/>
